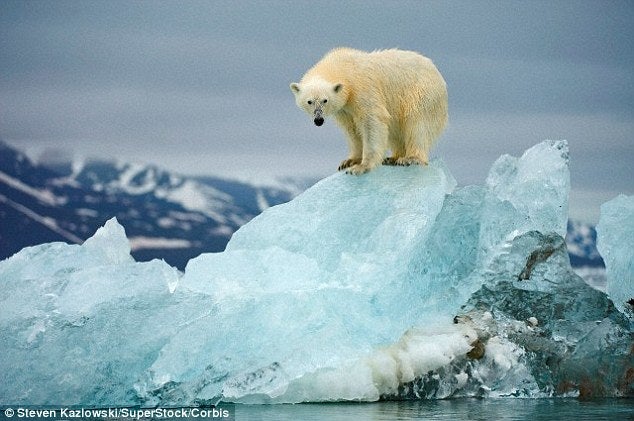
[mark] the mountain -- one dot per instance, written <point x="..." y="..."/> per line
<point x="581" y="240"/>
<point x="165" y="215"/>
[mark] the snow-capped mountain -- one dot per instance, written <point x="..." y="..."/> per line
<point x="581" y="240"/>
<point x="165" y="215"/>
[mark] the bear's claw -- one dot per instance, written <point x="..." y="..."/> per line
<point x="347" y="163"/>
<point x="358" y="169"/>
<point x="404" y="161"/>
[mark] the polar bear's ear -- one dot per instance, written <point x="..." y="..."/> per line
<point x="337" y="88"/>
<point x="295" y="88"/>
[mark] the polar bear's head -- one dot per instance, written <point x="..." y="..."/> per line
<point x="319" y="98"/>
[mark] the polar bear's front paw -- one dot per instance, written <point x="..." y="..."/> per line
<point x="347" y="163"/>
<point x="358" y="169"/>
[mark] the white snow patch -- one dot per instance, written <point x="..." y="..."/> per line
<point x="87" y="212"/>
<point x="204" y="199"/>
<point x="186" y="216"/>
<point x="48" y="222"/>
<point x="130" y="171"/>
<point x="594" y="276"/>
<point x="166" y="222"/>
<point x="223" y="230"/>
<point x="43" y="195"/>
<point x="263" y="204"/>
<point x="141" y="242"/>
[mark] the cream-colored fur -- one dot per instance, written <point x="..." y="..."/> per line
<point x="388" y="99"/>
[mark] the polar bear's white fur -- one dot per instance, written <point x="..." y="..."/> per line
<point x="388" y="99"/>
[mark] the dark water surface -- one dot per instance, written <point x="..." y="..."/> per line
<point x="450" y="410"/>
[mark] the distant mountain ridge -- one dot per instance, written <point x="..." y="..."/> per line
<point x="165" y="215"/>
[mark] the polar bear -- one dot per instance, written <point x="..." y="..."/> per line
<point x="386" y="99"/>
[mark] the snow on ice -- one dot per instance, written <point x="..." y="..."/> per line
<point x="394" y="284"/>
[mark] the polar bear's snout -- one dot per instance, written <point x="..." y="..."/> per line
<point x="318" y="117"/>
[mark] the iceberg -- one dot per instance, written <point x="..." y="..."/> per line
<point x="393" y="285"/>
<point x="615" y="241"/>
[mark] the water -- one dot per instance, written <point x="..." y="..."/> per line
<point x="450" y="410"/>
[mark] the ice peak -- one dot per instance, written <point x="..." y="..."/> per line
<point x="110" y="242"/>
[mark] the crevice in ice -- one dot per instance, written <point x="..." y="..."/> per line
<point x="540" y="255"/>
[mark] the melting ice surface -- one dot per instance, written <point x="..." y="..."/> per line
<point x="395" y="284"/>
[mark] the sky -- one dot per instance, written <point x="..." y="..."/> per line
<point x="202" y="87"/>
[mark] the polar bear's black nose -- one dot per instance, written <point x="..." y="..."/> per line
<point x="319" y="121"/>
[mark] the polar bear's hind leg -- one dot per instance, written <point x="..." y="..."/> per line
<point x="416" y="141"/>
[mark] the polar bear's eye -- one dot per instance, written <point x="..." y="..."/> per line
<point x="310" y="102"/>
<point x="324" y="101"/>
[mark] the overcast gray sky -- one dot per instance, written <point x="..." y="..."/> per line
<point x="201" y="87"/>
